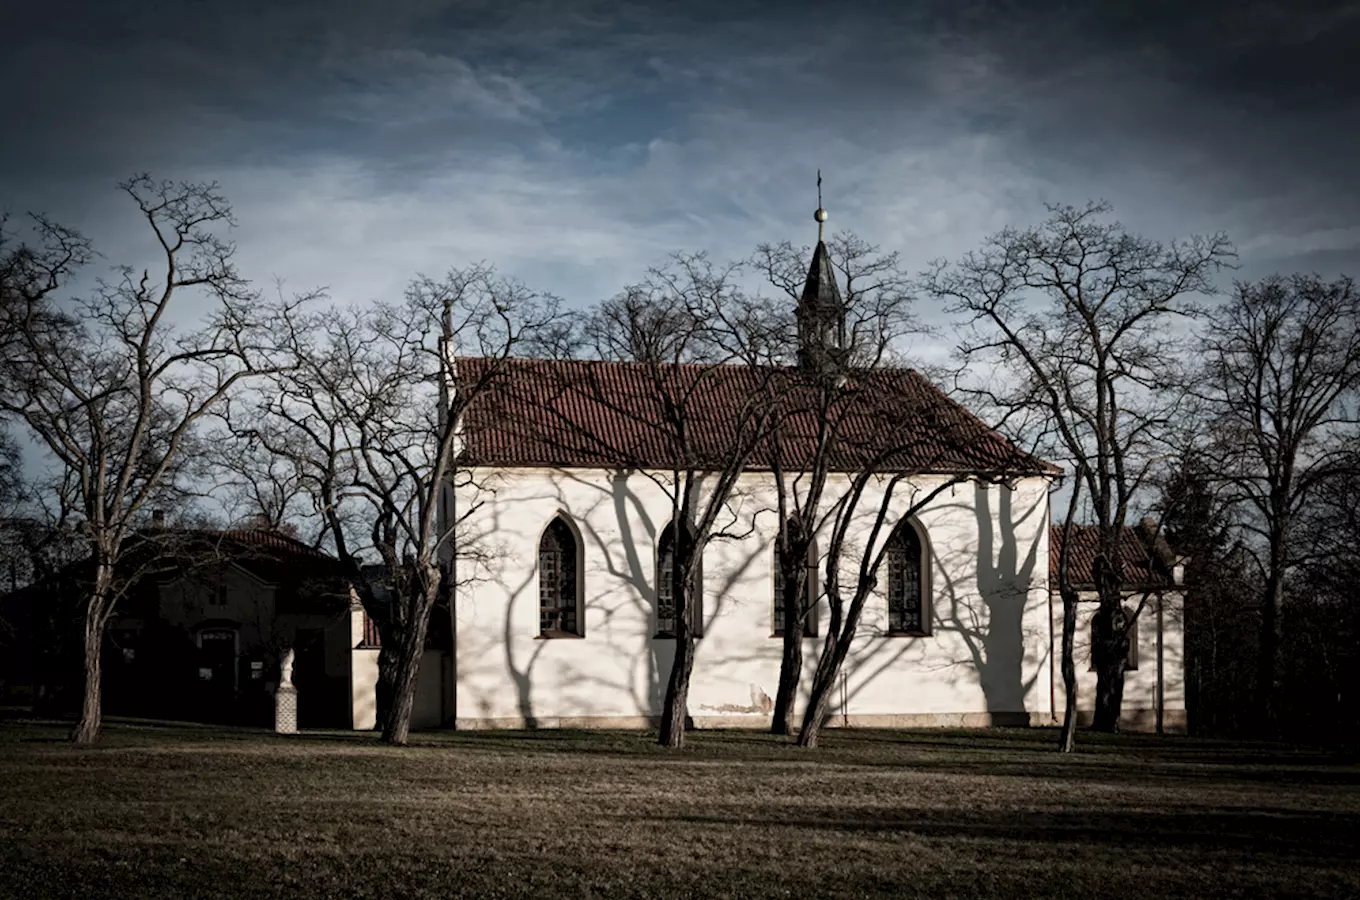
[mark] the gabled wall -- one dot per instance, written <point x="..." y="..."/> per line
<point x="230" y="598"/>
<point x="226" y="592"/>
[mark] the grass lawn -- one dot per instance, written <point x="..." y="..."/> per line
<point x="165" y="811"/>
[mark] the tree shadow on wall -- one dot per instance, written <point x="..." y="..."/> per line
<point x="602" y="564"/>
<point x="991" y="622"/>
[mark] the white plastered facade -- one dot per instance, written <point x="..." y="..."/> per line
<point x="985" y="660"/>
<point x="1154" y="692"/>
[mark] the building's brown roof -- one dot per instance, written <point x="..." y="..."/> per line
<point x="1142" y="569"/>
<point x="158" y="554"/>
<point x="612" y="414"/>
<point x="270" y="555"/>
<point x="281" y="545"/>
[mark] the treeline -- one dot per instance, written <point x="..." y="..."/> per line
<point x="1105" y="352"/>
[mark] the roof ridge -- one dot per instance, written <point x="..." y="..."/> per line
<point x="622" y="363"/>
<point x="243" y="535"/>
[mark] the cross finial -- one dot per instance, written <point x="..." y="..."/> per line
<point x="820" y="215"/>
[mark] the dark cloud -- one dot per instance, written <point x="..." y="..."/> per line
<point x="583" y="139"/>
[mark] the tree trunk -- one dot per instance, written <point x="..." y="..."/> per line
<point x="684" y="586"/>
<point x="91" y="706"/>
<point x="673" y="714"/>
<point x="1109" y="697"/>
<point x="823" y="686"/>
<point x="1109" y="651"/>
<point x="389" y="655"/>
<point x="840" y="635"/>
<point x="1266" y="663"/>
<point x="1067" y="741"/>
<point x="790" y="668"/>
<point x="791" y="663"/>
<point x="397" y="725"/>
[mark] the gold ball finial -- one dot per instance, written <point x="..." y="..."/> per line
<point x="820" y="215"/>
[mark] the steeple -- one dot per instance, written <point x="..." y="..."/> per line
<point x="821" y="313"/>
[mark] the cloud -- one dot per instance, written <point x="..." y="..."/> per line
<point x="573" y="144"/>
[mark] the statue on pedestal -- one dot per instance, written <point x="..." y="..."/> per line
<point x="285" y="698"/>
<point x="286" y="675"/>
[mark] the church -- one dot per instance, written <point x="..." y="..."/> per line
<point x="563" y="617"/>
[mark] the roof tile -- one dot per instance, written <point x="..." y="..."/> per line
<point x="1140" y="567"/>
<point x="532" y="412"/>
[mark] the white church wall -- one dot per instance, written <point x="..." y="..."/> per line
<point x="427" y="709"/>
<point x="985" y="659"/>
<point x="1139" y="709"/>
<point x="363" y="686"/>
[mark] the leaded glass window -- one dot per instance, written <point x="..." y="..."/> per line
<point x="665" y="590"/>
<point x="557" y="601"/>
<point x="906" y="607"/>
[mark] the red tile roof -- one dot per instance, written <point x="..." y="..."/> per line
<point x="610" y="414"/>
<point x="270" y="555"/>
<point x="280" y="544"/>
<point x="1141" y="569"/>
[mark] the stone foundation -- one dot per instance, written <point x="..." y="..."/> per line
<point x="910" y="720"/>
<point x="1133" y="720"/>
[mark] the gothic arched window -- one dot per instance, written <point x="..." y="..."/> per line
<point x="665" y="588"/>
<point x="810" y="593"/>
<point x="558" y="612"/>
<point x="906" y="581"/>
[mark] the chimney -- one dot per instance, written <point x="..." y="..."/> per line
<point x="158" y="519"/>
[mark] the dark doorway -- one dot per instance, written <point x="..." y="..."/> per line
<point x="317" y="693"/>
<point x="217" y="674"/>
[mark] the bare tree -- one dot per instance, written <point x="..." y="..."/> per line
<point x="685" y="325"/>
<point x="1220" y="631"/>
<point x="1068" y="333"/>
<point x="908" y="446"/>
<point x="11" y="480"/>
<point x="1283" y="365"/>
<point x="876" y="312"/>
<point x="1067" y="592"/>
<point x="1319" y="652"/>
<point x="110" y="388"/>
<point x="35" y="532"/>
<point x="260" y="489"/>
<point x="366" y="419"/>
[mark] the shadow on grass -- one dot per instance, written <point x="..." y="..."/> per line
<point x="1296" y="835"/>
<point x="999" y="752"/>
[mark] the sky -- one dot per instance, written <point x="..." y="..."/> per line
<point x="573" y="143"/>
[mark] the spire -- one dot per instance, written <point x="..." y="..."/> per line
<point x="820" y="293"/>
<point x="821" y="314"/>
<point x="820" y="215"/>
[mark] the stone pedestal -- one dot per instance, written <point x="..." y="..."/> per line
<point x="285" y="709"/>
<point x="285" y="698"/>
